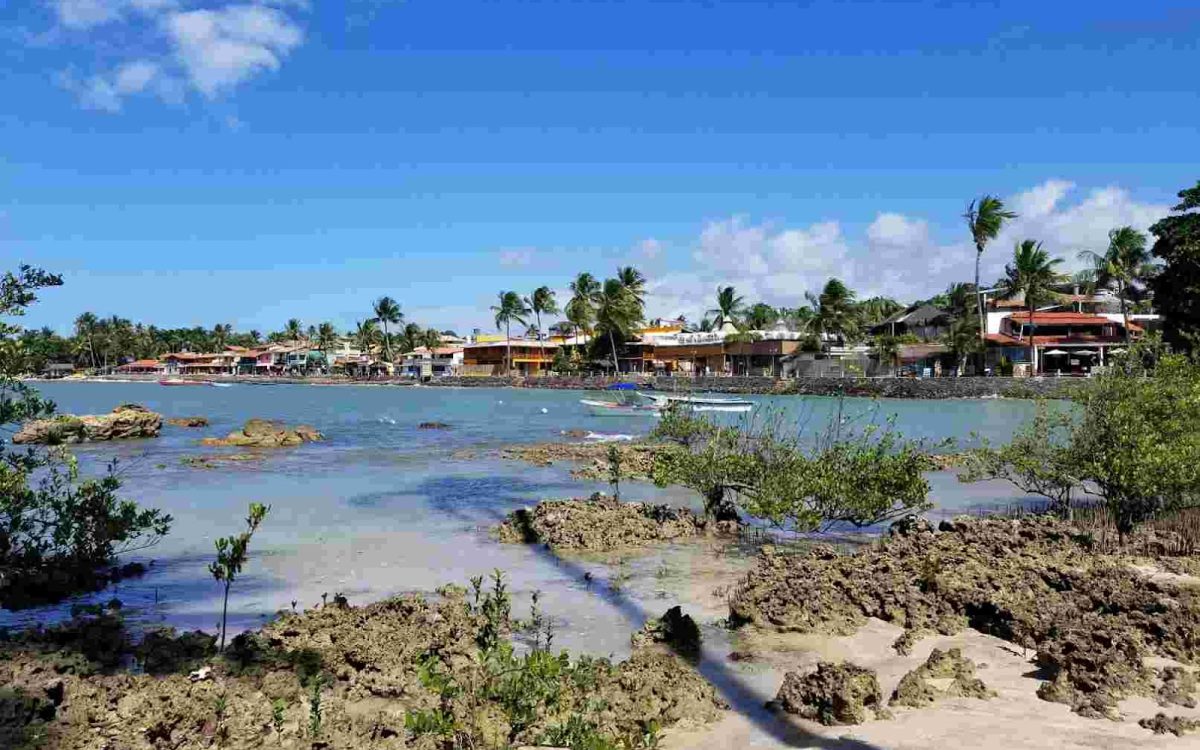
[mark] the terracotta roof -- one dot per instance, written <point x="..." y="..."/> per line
<point x="1004" y="339"/>
<point x="1061" y="318"/>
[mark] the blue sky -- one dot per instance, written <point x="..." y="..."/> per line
<point x="189" y="162"/>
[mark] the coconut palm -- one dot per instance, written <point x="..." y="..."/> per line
<point x="431" y="339"/>
<point x="410" y="338"/>
<point x="293" y="330"/>
<point x="542" y="301"/>
<point x="833" y="310"/>
<point x="326" y="338"/>
<point x="618" y="311"/>
<point x="509" y="308"/>
<point x="963" y="339"/>
<point x="985" y="218"/>
<point x="1032" y="275"/>
<point x="581" y="310"/>
<point x="877" y="309"/>
<point x="1124" y="265"/>
<point x="729" y="307"/>
<point x="366" y="335"/>
<point x="887" y="349"/>
<point x="634" y="282"/>
<point x="85" y="330"/>
<point x="387" y="312"/>
<point x="220" y="335"/>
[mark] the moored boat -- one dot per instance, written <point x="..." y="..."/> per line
<point x="177" y="381"/>
<point x="702" y="403"/>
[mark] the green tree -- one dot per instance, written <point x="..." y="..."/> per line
<point x="431" y="340"/>
<point x="834" y="310"/>
<point x="1177" y="287"/>
<point x="729" y="308"/>
<point x="387" y="312"/>
<point x="411" y="337"/>
<point x="542" y="301"/>
<point x="326" y="339"/>
<point x="618" y="311"/>
<point x="1123" y="266"/>
<point x="985" y="218"/>
<point x="509" y="308"/>
<point x="761" y="316"/>
<point x="232" y="552"/>
<point x="1031" y="274"/>
<point x="634" y="283"/>
<point x="220" y="335"/>
<point x="876" y="310"/>
<point x="56" y="532"/>
<point x="581" y="309"/>
<point x="366" y="335"/>
<point x="85" y="330"/>
<point x="887" y="350"/>
<point x="293" y="330"/>
<point x="963" y="339"/>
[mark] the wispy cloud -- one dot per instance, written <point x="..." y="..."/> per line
<point x="516" y="256"/>
<point x="210" y="49"/>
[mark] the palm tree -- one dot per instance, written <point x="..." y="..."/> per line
<point x="581" y="310"/>
<point x="366" y="335"/>
<point x="877" y="309"/>
<point x="85" y="329"/>
<point x="985" y="217"/>
<point x="963" y="339"/>
<point x="1123" y="265"/>
<point x="834" y="311"/>
<point x="326" y="339"/>
<point x="387" y="311"/>
<point x="728" y="309"/>
<point x="220" y="335"/>
<point x="510" y="308"/>
<point x="543" y="301"/>
<point x="618" y="310"/>
<point x="634" y="282"/>
<point x="411" y="337"/>
<point x="293" y="331"/>
<point x="1031" y="274"/>
<point x="431" y="339"/>
<point x="887" y="349"/>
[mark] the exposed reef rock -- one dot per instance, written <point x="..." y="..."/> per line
<point x="637" y="459"/>
<point x="916" y="691"/>
<point x="604" y="523"/>
<point x="675" y="629"/>
<point x="262" y="433"/>
<point x="1037" y="583"/>
<point x="833" y="694"/>
<point x="127" y="421"/>
<point x="188" y="421"/>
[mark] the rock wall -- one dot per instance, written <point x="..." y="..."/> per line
<point x="931" y="388"/>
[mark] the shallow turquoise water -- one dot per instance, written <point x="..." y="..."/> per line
<point x="383" y="507"/>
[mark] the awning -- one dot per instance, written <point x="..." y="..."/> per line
<point x="1084" y="351"/>
<point x="1054" y="352"/>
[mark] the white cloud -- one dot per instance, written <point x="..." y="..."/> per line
<point x="210" y="50"/>
<point x="896" y="255"/>
<point x="650" y="248"/>
<point x="517" y="256"/>
<point x="222" y="48"/>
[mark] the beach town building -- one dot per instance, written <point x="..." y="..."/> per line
<point x="529" y="357"/>
<point x="422" y="363"/>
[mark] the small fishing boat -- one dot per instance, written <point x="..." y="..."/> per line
<point x="701" y="403"/>
<point x="626" y="402"/>
<point x="178" y="381"/>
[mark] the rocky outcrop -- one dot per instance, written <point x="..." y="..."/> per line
<point x="262" y="433"/>
<point x="603" y="523"/>
<point x="433" y="426"/>
<point x="188" y="421"/>
<point x="1037" y="583"/>
<point x="127" y="421"/>
<point x="1176" y="725"/>
<point x="674" y="629"/>
<point x="834" y="694"/>
<point x="917" y="689"/>
<point x="637" y="459"/>
<point x="375" y="670"/>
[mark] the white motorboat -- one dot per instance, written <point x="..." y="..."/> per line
<point x="701" y="403"/>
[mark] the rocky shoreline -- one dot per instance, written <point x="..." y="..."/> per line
<point x="125" y="422"/>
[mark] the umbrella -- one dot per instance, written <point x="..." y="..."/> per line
<point x="1085" y="351"/>
<point x="1054" y="352"/>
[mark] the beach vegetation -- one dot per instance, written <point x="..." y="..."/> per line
<point x="1176" y="286"/>
<point x="232" y="553"/>
<point x="1031" y="275"/>
<point x="387" y="313"/>
<point x="510" y="308"/>
<point x="1124" y="267"/>
<point x="985" y="217"/>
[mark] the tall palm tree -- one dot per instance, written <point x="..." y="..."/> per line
<point x="509" y="308"/>
<point x="542" y="301"/>
<point x="833" y="310"/>
<point x="963" y="340"/>
<point x="1031" y="273"/>
<point x="366" y="335"/>
<point x="581" y="310"/>
<point x="326" y="339"/>
<point x="431" y="339"/>
<point x="985" y="218"/>
<point x="387" y="312"/>
<point x="220" y="335"/>
<point x="634" y="282"/>
<point x="1125" y="264"/>
<point x="85" y="330"/>
<point x="618" y="311"/>
<point x="293" y="331"/>
<point x="410" y="338"/>
<point x="729" y="307"/>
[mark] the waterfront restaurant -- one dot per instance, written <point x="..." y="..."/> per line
<point x="528" y="357"/>
<point x="1066" y="343"/>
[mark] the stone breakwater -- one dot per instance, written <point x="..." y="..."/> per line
<point x="910" y="388"/>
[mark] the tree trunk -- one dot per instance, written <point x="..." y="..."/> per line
<point x="387" y="343"/>
<point x="1032" y="344"/>
<point x="613" y="342"/>
<point x="224" y="616"/>
<point x="1124" y="309"/>
<point x="507" y="349"/>
<point x="979" y="309"/>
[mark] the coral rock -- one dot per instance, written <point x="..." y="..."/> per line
<point x="833" y="694"/>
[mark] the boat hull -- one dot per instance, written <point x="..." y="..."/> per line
<point x="183" y="382"/>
